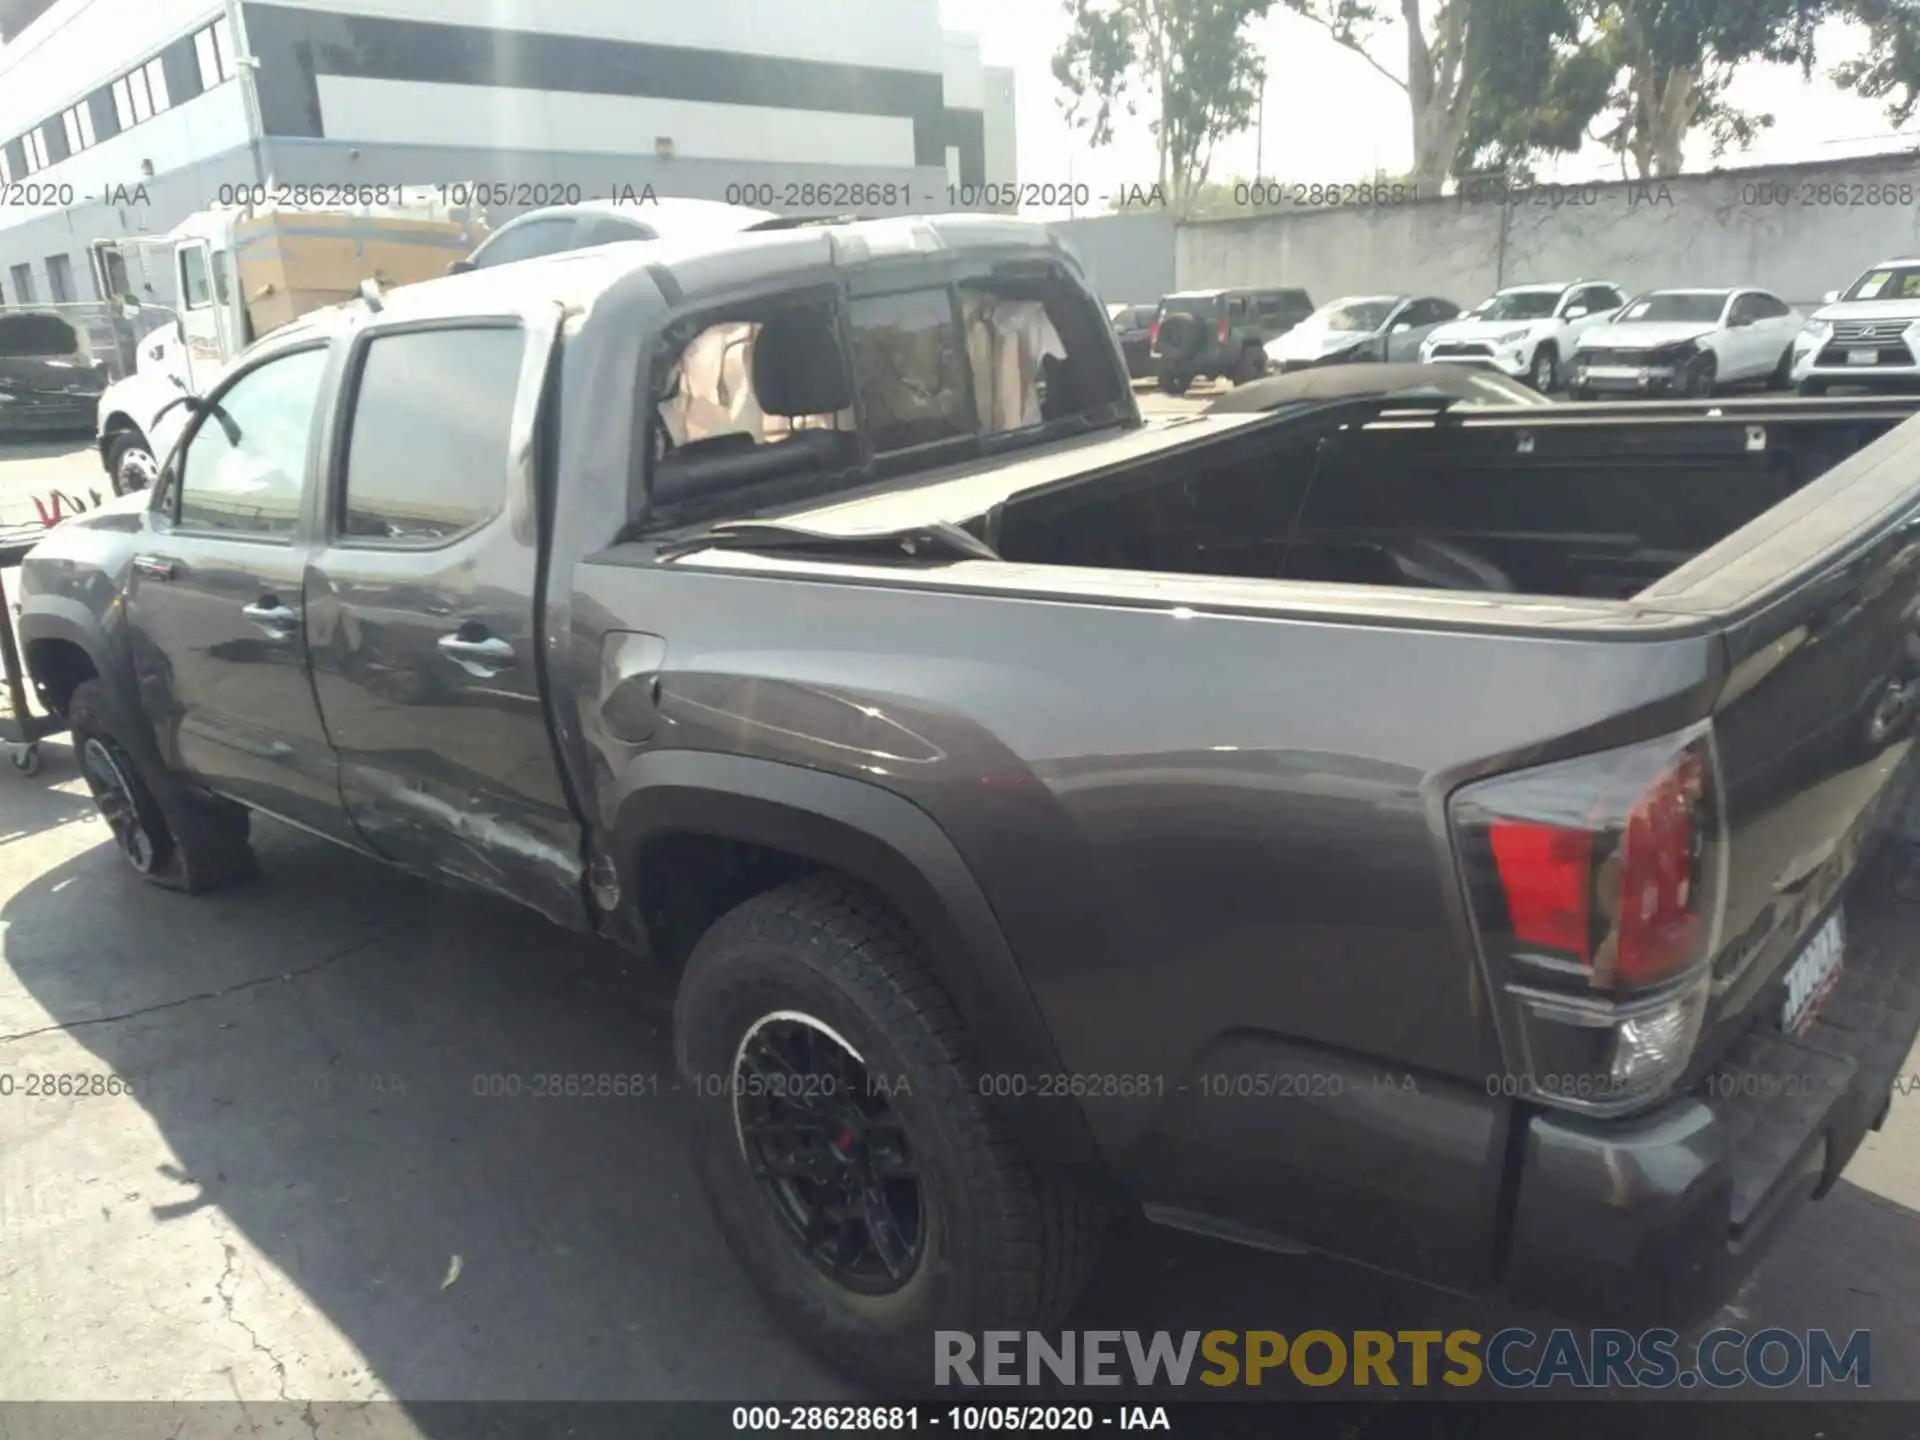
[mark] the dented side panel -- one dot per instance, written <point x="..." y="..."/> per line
<point x="431" y="676"/>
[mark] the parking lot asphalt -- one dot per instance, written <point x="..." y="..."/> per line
<point x="316" y="1189"/>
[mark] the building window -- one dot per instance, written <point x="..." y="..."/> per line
<point x="36" y="145"/>
<point x="215" y="53"/>
<point x="142" y="102"/>
<point x="60" y="279"/>
<point x="78" y="125"/>
<point x="123" y="103"/>
<point x="23" y="283"/>
<point x="6" y="170"/>
<point x="157" y="85"/>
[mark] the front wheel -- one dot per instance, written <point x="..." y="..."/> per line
<point x="1175" y="384"/>
<point x="130" y="463"/>
<point x="1782" y="377"/>
<point x="1545" y="370"/>
<point x="1700" y="378"/>
<point x="840" y="1136"/>
<point x="169" y="836"/>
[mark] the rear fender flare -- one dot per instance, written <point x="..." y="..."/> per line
<point x="893" y="846"/>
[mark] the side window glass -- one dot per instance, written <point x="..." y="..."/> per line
<point x="195" y="290"/>
<point x="608" y="230"/>
<point x="911" y="368"/>
<point x="244" y="469"/>
<point x="430" y="444"/>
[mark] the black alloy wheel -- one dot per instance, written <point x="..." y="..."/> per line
<point x="828" y="1152"/>
<point x="140" y="835"/>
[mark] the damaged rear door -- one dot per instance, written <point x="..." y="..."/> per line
<point x="423" y="615"/>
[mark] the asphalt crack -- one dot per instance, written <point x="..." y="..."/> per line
<point x="283" y="977"/>
<point x="230" y="1275"/>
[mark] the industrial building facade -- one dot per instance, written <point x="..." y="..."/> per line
<point x="121" y="117"/>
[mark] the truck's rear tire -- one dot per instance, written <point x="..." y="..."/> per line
<point x="816" y="990"/>
<point x="130" y="463"/>
<point x="171" y="837"/>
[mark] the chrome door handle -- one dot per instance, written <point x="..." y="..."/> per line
<point x="477" y="657"/>
<point x="156" y="567"/>
<point x="271" y="613"/>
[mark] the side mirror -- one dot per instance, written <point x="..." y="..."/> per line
<point x="1576" y="312"/>
<point x="1830" y="297"/>
<point x="460" y="267"/>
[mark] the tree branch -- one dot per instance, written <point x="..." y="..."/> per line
<point x="1346" y="41"/>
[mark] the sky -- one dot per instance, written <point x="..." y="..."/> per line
<point x="1331" y="117"/>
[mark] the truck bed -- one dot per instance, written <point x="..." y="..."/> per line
<point x="1578" y="506"/>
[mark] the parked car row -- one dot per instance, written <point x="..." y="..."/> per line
<point x="1583" y="336"/>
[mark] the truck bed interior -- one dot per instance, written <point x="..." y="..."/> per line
<point x="1598" y="509"/>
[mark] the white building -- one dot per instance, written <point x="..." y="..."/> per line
<point x="121" y="116"/>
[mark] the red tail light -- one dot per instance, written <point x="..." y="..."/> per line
<point x="1153" y="335"/>
<point x="1597" y="891"/>
<point x="1223" y="329"/>
<point x="1603" y="867"/>
<point x="1547" y="875"/>
<point x="1658" y="928"/>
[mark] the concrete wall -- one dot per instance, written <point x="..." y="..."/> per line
<point x="1797" y="230"/>
<point x="1131" y="258"/>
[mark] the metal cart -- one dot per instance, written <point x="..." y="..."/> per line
<point x="21" y="728"/>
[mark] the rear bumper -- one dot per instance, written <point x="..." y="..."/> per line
<point x="1660" y="1217"/>
<point x="1656" y="1217"/>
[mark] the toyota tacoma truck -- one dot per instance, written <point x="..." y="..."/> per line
<point x="1473" y="842"/>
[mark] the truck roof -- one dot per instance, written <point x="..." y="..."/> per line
<point x="693" y="264"/>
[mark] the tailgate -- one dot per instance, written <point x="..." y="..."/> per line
<point x="1813" y="732"/>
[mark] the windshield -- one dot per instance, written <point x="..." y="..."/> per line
<point x="1889" y="282"/>
<point x="1353" y="316"/>
<point x="1674" y="305"/>
<point x="1518" y="305"/>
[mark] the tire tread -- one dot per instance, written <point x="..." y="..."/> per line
<point x="1043" y="1232"/>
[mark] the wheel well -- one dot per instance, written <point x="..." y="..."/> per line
<point x="112" y="428"/>
<point x="684" y="881"/>
<point x="59" y="667"/>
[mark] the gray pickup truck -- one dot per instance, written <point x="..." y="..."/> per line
<point x="1469" y="841"/>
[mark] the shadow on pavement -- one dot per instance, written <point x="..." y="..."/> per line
<point x="325" y="1050"/>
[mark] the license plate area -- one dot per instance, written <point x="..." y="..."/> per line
<point x="1863" y="357"/>
<point x="1813" y="974"/>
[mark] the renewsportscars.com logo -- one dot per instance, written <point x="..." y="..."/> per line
<point x="1513" y="1359"/>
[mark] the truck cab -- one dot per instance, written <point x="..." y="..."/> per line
<point x="179" y="288"/>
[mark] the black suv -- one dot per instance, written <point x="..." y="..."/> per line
<point x="1203" y="334"/>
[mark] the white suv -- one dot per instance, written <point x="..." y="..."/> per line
<point x="1526" y="331"/>
<point x="1870" y="335"/>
